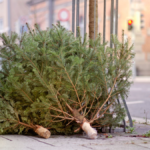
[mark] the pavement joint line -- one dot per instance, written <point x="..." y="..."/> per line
<point x="136" y="89"/>
<point x="30" y="148"/>
<point x="141" y="79"/>
<point x="6" y="138"/>
<point x="87" y="147"/>
<point x="135" y="102"/>
<point x="41" y="141"/>
<point x="141" y="146"/>
<point x="138" y="120"/>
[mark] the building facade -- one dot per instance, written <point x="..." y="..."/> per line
<point x="39" y="12"/>
<point x="140" y="11"/>
<point x="19" y="15"/>
<point x="13" y="15"/>
<point x="4" y="24"/>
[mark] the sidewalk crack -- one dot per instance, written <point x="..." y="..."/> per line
<point x="42" y="141"/>
<point x="30" y="148"/>
<point x="141" y="146"/>
<point x="87" y="147"/>
<point x="6" y="138"/>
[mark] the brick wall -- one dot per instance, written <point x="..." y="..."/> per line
<point x="146" y="30"/>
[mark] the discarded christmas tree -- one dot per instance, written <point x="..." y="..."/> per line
<point x="11" y="122"/>
<point x="60" y="83"/>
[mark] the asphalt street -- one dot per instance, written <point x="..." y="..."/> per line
<point x="139" y="100"/>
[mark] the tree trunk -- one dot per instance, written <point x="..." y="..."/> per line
<point x="93" y="12"/>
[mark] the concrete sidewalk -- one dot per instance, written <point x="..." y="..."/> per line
<point x="119" y="141"/>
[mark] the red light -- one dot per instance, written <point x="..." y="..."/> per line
<point x="130" y="22"/>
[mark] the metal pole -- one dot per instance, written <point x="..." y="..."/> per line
<point x="85" y="8"/>
<point x="77" y="17"/>
<point x="104" y="22"/>
<point x="51" y="12"/>
<point x="111" y="21"/>
<point x="9" y="17"/>
<point x="116" y="23"/>
<point x="73" y="15"/>
<point x="124" y="123"/>
<point x="128" y="113"/>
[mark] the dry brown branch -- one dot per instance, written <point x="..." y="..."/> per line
<point x="62" y="117"/>
<point x="69" y="122"/>
<point x="26" y="125"/>
<point x="95" y="117"/>
<point x="91" y="105"/>
<point x="73" y="87"/>
<point x="53" y="108"/>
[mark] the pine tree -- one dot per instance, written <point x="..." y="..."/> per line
<point x="62" y="84"/>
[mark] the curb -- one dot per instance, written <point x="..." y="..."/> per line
<point x="141" y="79"/>
<point x="139" y="120"/>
